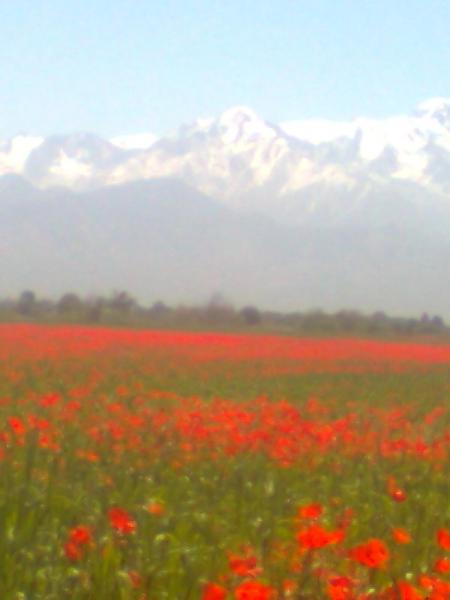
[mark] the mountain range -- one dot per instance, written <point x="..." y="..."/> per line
<point x="291" y="215"/>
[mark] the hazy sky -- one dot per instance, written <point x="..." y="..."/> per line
<point x="125" y="66"/>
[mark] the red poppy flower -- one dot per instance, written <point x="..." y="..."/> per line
<point x="50" y="400"/>
<point x="254" y="590"/>
<point x="440" y="590"/>
<point x="373" y="554"/>
<point x="442" y="565"/>
<point x="310" y="511"/>
<point x="213" y="591"/>
<point x="315" y="537"/>
<point x="17" y="425"/>
<point x="443" y="538"/>
<point x="80" y="535"/>
<point x="121" y="521"/>
<point x="244" y="566"/>
<point x="395" y="492"/>
<point x="340" y="588"/>
<point x="73" y="551"/>
<point x="401" y="536"/>
<point x="403" y="591"/>
<point x="398" y="495"/>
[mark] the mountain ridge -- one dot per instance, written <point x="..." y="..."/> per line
<point x="237" y="205"/>
<point x="239" y="152"/>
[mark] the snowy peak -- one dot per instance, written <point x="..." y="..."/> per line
<point x="437" y="109"/>
<point x="237" y="115"/>
<point x="242" y="123"/>
<point x="235" y="125"/>
<point x="77" y="160"/>
<point x="304" y="167"/>
<point x="14" y="153"/>
<point x="412" y="148"/>
<point x="319" y="131"/>
<point x="137" y="141"/>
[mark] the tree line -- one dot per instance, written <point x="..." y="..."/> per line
<point x="120" y="308"/>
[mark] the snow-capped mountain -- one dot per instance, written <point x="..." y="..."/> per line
<point x="410" y="141"/>
<point x="78" y="160"/>
<point x="291" y="215"/>
<point x="224" y="157"/>
<point x="14" y="153"/>
<point x="136" y="141"/>
<point x="297" y="172"/>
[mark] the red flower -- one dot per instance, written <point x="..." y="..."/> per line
<point x="17" y="425"/>
<point x="254" y="590"/>
<point x="402" y="591"/>
<point x="398" y="495"/>
<point x="440" y="590"/>
<point x="443" y="538"/>
<point x="315" y="537"/>
<point x="80" y="535"/>
<point x="401" y="536"/>
<point x="442" y="565"/>
<point x="50" y="400"/>
<point x="340" y="588"/>
<point x="396" y="492"/>
<point x="373" y="554"/>
<point x="244" y="566"/>
<point x="73" y="551"/>
<point x="121" y="521"/>
<point x="310" y="511"/>
<point x="213" y="591"/>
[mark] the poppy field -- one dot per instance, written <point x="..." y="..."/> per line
<point x="150" y="465"/>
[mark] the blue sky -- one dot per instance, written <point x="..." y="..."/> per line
<point x="125" y="66"/>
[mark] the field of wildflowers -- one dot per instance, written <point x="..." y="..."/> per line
<point x="191" y="466"/>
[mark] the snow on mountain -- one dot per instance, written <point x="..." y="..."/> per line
<point x="77" y="160"/>
<point x="296" y="171"/>
<point x="223" y="157"/>
<point x="314" y="212"/>
<point x="137" y="141"/>
<point x="15" y="152"/>
<point x="319" y="131"/>
<point x="437" y="109"/>
<point x="410" y="139"/>
<point x="242" y="125"/>
<point x="239" y="152"/>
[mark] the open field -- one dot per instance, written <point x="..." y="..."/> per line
<point x="163" y="465"/>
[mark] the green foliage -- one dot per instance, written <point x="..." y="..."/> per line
<point x="211" y="507"/>
<point x="121" y="309"/>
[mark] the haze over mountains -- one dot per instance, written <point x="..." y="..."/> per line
<point x="290" y="216"/>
